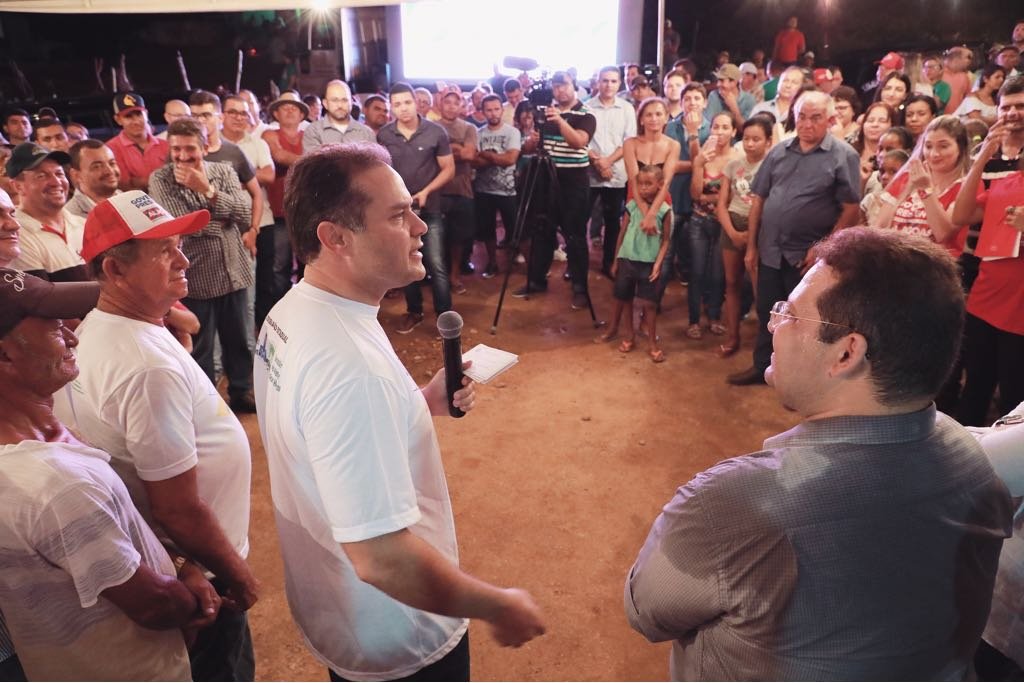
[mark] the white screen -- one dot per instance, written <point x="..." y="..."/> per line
<point x="461" y="39"/>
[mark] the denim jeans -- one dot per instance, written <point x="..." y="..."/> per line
<point x="434" y="261"/>
<point x="273" y="268"/>
<point x="224" y="317"/>
<point x="223" y="650"/>
<point x="773" y="284"/>
<point x="570" y="214"/>
<point x="673" y="263"/>
<point x="707" y="274"/>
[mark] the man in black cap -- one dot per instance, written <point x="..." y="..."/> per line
<point x="137" y="150"/>
<point x="51" y="237"/>
<point x="566" y="138"/>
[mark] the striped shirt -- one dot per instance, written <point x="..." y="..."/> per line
<point x="219" y="262"/>
<point x="564" y="156"/>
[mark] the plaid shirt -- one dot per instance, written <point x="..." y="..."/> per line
<point x="220" y="263"/>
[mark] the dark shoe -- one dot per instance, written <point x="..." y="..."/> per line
<point x="467" y="268"/>
<point x="243" y="403"/>
<point x="490" y="271"/>
<point x="746" y="378"/>
<point x="409" y="322"/>
<point x="527" y="290"/>
<point x="579" y="301"/>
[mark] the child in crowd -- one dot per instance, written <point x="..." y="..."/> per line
<point x="892" y="162"/>
<point x="638" y="259"/>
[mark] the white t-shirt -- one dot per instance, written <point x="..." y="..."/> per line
<point x="352" y="455"/>
<point x="68" y="532"/>
<point x="141" y="398"/>
<point x="257" y="151"/>
<point x="44" y="249"/>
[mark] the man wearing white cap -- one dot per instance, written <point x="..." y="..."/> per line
<point x="749" y="83"/>
<point x="140" y="397"/>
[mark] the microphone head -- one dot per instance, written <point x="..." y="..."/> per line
<point x="520" y="63"/>
<point x="449" y="325"/>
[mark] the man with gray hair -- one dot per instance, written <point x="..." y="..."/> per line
<point x="806" y="188"/>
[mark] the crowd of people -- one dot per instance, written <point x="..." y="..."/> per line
<point x="879" y="233"/>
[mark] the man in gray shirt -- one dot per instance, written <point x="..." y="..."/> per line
<point x="337" y="125"/>
<point x="863" y="543"/>
<point x="807" y="187"/>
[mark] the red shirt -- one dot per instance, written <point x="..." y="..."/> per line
<point x="997" y="296"/>
<point x="275" y="192"/>
<point x="789" y="43"/>
<point x="911" y="217"/>
<point x="133" y="161"/>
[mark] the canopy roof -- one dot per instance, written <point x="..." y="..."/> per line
<point x="171" y="6"/>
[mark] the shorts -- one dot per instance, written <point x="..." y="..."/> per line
<point x="632" y="279"/>
<point x="741" y="224"/>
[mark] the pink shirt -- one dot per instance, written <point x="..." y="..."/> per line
<point x="133" y="161"/>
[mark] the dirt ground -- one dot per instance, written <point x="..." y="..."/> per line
<point x="556" y="476"/>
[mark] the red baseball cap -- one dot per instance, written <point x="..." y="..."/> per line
<point x="891" y="60"/>
<point x="134" y="215"/>
<point x="822" y="75"/>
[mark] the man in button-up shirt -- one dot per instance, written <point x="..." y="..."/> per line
<point x="616" y="121"/>
<point x="220" y="268"/>
<point x="337" y="125"/>
<point x="807" y="187"/>
<point x="863" y="543"/>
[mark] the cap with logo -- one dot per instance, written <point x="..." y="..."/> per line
<point x="27" y="296"/>
<point x="728" y="72"/>
<point x="28" y="155"/>
<point x="134" y="215"/>
<point x="891" y="60"/>
<point x="128" y="101"/>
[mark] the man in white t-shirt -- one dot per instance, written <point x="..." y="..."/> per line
<point x="87" y="591"/>
<point x="142" y="398"/>
<point x="362" y="508"/>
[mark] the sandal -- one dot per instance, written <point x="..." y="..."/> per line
<point x="657" y="355"/>
<point x="626" y="346"/>
<point x="718" y="329"/>
<point x="694" y="331"/>
<point x="606" y="337"/>
<point x="726" y="350"/>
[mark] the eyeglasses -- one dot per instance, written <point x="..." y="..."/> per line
<point x="780" y="309"/>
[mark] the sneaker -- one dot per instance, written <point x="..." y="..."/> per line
<point x="747" y="377"/>
<point x="243" y="403"/>
<point x="527" y="290"/>
<point x="409" y="322"/>
<point x="559" y="254"/>
<point x="579" y="301"/>
<point x="490" y="271"/>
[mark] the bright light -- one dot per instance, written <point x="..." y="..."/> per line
<point x="439" y="40"/>
<point x="321" y="6"/>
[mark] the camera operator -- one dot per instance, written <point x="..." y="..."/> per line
<point x="566" y="132"/>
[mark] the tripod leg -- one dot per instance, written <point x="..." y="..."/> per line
<point x="522" y="211"/>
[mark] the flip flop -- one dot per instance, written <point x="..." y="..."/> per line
<point x="657" y="356"/>
<point x="626" y="346"/>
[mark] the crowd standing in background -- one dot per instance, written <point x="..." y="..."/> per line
<point x="236" y="234"/>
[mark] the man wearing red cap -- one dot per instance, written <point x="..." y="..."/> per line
<point x="87" y="591"/>
<point x="892" y="61"/>
<point x="137" y="150"/>
<point x="143" y="399"/>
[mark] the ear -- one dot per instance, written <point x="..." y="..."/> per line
<point x="333" y="237"/>
<point x="113" y="270"/>
<point x="850" y="356"/>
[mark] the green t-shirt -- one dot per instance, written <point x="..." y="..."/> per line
<point x="637" y="245"/>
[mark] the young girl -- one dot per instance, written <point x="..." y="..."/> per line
<point x="706" y="278"/>
<point x="892" y="162"/>
<point x="877" y="120"/>
<point x="638" y="259"/>
<point x="733" y="211"/>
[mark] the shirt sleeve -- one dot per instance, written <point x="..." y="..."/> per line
<point x="357" y="437"/>
<point x="847" y="175"/>
<point x="1004" y="447"/>
<point x="263" y="156"/>
<point x="444" y="145"/>
<point x="245" y="170"/>
<point x="588" y="124"/>
<point x="232" y="203"/>
<point x="673" y="588"/>
<point x="515" y="139"/>
<point x="762" y="183"/>
<point x="311" y="138"/>
<point x="79" y="531"/>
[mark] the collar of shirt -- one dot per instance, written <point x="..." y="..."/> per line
<point x="864" y="429"/>
<point x="825" y="145"/>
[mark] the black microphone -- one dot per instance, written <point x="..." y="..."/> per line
<point x="449" y="325"/>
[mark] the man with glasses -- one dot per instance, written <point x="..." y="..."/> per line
<point x="337" y="125"/>
<point x="931" y="83"/>
<point x="807" y="187"/>
<point x="863" y="543"/>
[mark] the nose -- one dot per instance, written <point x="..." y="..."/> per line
<point x="417" y="226"/>
<point x="70" y="338"/>
<point x="180" y="260"/>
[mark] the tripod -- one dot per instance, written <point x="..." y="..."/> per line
<point x="539" y="169"/>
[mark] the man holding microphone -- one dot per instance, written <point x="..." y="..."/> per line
<point x="363" y="514"/>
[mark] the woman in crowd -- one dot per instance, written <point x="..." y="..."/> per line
<point x="847" y="111"/>
<point x="981" y="104"/>
<point x="707" y="279"/>
<point x="524" y="121"/>
<point x="894" y="91"/>
<point x="918" y="113"/>
<point x="733" y="211"/>
<point x="650" y="147"/>
<point x="919" y="199"/>
<point x="878" y="118"/>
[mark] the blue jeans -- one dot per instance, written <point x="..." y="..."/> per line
<point x="433" y="261"/>
<point x="225" y="317"/>
<point x="273" y="268"/>
<point x="707" y="274"/>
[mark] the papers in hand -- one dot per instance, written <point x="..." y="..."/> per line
<point x="488" y="363"/>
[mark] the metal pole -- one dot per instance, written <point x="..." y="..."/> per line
<point x="661" y="38"/>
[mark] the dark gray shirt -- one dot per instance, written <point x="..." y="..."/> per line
<point x="851" y="548"/>
<point x="415" y="158"/>
<point x="230" y="153"/>
<point x="803" y="193"/>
